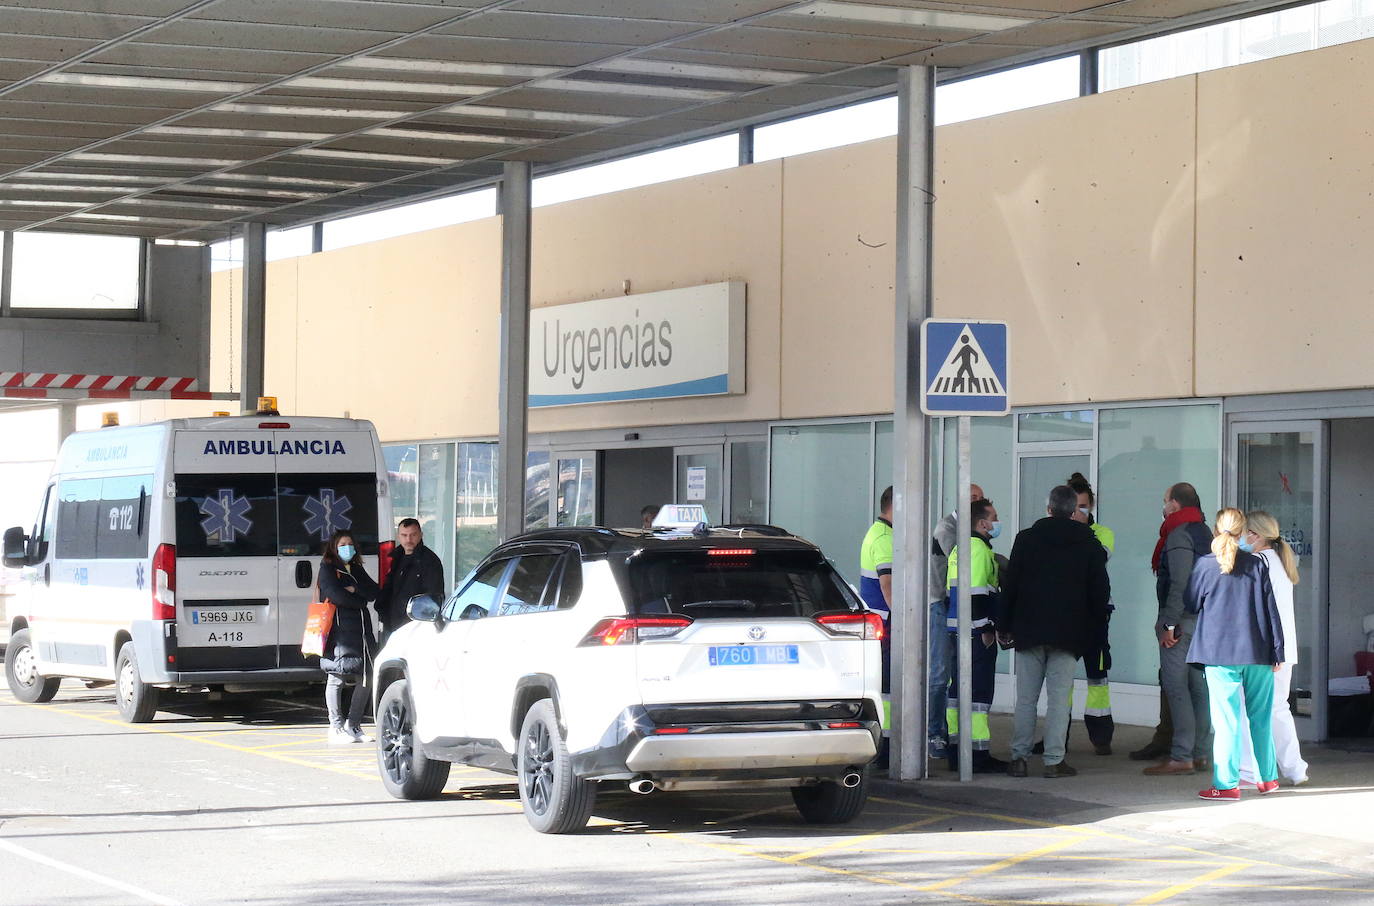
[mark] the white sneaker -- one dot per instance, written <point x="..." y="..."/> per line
<point x="338" y="736"/>
<point x="358" y="734"/>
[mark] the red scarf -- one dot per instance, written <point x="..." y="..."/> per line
<point x="1172" y="521"/>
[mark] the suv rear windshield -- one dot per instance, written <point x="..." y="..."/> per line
<point x="765" y="583"/>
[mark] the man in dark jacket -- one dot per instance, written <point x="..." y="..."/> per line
<point x="1053" y="608"/>
<point x="415" y="570"/>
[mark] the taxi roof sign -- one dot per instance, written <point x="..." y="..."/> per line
<point x="680" y="516"/>
<point x="964" y="367"/>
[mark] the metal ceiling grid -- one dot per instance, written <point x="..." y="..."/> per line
<point x="179" y="118"/>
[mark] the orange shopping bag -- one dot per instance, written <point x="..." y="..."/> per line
<point x="317" y="626"/>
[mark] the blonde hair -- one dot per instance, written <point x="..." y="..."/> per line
<point x="1230" y="526"/>
<point x="1267" y="527"/>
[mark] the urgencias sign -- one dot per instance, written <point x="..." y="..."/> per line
<point x="674" y="343"/>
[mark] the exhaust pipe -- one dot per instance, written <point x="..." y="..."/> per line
<point x="851" y="780"/>
<point x="644" y="787"/>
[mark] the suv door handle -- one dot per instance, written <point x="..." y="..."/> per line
<point x="304" y="573"/>
<point x="47" y="574"/>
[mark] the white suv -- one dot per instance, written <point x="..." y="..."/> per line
<point x="668" y="660"/>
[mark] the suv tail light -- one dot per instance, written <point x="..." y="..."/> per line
<point x="384" y="561"/>
<point x="164" y="584"/>
<point x="631" y="630"/>
<point x="862" y="624"/>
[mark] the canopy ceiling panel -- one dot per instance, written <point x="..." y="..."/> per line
<point x="187" y="118"/>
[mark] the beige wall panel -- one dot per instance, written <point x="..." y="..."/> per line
<point x="281" y="370"/>
<point x="708" y="229"/>
<point x="1074" y="223"/>
<point x="839" y="235"/>
<point x="402" y="332"/>
<point x="1284" y="223"/>
<point x="225" y="287"/>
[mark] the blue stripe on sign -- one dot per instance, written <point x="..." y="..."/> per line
<point x="711" y="386"/>
<point x="960" y="403"/>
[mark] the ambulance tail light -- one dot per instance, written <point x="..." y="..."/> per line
<point x="164" y="582"/>
<point x="384" y="561"/>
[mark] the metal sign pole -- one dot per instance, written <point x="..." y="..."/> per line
<point x="964" y="640"/>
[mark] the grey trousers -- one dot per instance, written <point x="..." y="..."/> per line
<point x="333" y="700"/>
<point x="1185" y="686"/>
<point x="1052" y="669"/>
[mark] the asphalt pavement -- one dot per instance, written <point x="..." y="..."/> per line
<point x="242" y="801"/>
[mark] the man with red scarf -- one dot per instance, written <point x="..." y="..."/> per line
<point x="1183" y="538"/>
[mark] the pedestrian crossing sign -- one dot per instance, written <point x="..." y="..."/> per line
<point x="964" y="365"/>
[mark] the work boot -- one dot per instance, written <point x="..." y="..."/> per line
<point x="1062" y="769"/>
<point x="989" y="765"/>
<point x="1168" y="767"/>
<point x="1018" y="768"/>
<point x="1152" y="751"/>
<point x="1103" y="748"/>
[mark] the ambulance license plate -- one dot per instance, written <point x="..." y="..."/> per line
<point x="222" y="617"/>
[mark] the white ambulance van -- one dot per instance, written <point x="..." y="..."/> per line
<point x="183" y="554"/>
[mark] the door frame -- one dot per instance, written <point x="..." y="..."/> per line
<point x="695" y="449"/>
<point x="556" y="454"/>
<point x="1317" y="566"/>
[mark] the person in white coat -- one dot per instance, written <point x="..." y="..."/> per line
<point x="1262" y="538"/>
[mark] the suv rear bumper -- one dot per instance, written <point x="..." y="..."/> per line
<point x="726" y="753"/>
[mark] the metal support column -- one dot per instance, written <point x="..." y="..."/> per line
<point x="513" y="392"/>
<point x="964" y="642"/>
<point x="910" y="441"/>
<point x="252" y="323"/>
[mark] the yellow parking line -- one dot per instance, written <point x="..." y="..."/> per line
<point x="856" y="841"/>
<point x="1174" y="890"/>
<point x="1005" y="863"/>
<point x="1051" y="858"/>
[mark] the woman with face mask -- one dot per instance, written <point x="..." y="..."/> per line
<point x="1262" y="537"/>
<point x="345" y="584"/>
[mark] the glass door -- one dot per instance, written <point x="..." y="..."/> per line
<point x="1280" y="467"/>
<point x="576" y="490"/>
<point x="1036" y="475"/>
<point x="699" y="478"/>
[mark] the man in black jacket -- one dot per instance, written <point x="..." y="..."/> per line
<point x="415" y="570"/>
<point x="1054" y="608"/>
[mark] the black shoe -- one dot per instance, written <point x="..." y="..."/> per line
<point x="1151" y="752"/>
<point x="1038" y="748"/>
<point x="1104" y="749"/>
<point x="1063" y="769"/>
<point x="989" y="765"/>
<point x="1018" y="768"/>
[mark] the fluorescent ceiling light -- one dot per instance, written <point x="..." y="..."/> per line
<point x="263" y="179"/>
<point x="45" y="187"/>
<point x="384" y="86"/>
<point x="352" y="113"/>
<point x="340" y="154"/>
<point x="159" y="202"/>
<point x="534" y="116"/>
<point x="87" y="80"/>
<point x="478" y="138"/>
<point x="92" y="177"/>
<point x="71" y="203"/>
<point x="255" y="190"/>
<point x="151" y="160"/>
<point x="700" y="71"/>
<point x="665" y="91"/>
<point x="914" y="18"/>
<point x="238" y="133"/>
<point x="500" y="70"/>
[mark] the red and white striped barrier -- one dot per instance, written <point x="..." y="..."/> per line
<point x="45" y="385"/>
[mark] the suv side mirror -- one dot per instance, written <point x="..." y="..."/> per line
<point x="16" y="548"/>
<point x="423" y="609"/>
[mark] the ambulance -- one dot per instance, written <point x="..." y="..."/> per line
<point x="182" y="555"/>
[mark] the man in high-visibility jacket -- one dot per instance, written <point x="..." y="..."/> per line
<point x="982" y="592"/>
<point x="875" y="587"/>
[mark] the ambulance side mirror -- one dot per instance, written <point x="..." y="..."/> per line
<point x="16" y="548"/>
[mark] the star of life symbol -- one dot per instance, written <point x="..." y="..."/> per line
<point x="226" y="516"/>
<point x="138" y="575"/>
<point x="328" y="514"/>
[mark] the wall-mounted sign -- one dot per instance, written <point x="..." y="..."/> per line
<point x="696" y="483"/>
<point x="674" y="343"/>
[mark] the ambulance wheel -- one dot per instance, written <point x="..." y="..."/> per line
<point x="137" y="700"/>
<point x="831" y="802"/>
<point x="406" y="772"/>
<point x="21" y="672"/>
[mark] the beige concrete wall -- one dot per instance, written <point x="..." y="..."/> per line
<point x="1285" y="226"/>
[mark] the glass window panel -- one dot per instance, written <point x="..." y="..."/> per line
<point x="474" y="600"/>
<point x="410" y="218"/>
<point x="577" y="490"/>
<point x="403" y="478"/>
<point x="1039" y="427"/>
<point x="476" y="504"/>
<point x="311" y="507"/>
<point x="528" y="587"/>
<point x="990" y="442"/>
<point x="699" y="478"/>
<point x="749" y="481"/>
<point x="537" y="489"/>
<point x="125" y="511"/>
<point x="1039" y="475"/>
<point x="882" y="459"/>
<point x="834" y="513"/>
<point x="831" y="129"/>
<point x="1013" y="89"/>
<point x="720" y="153"/>
<point x="1141" y="452"/>
<point x="224" y="515"/>
<point x="72" y="271"/>
<point x="435" y="503"/>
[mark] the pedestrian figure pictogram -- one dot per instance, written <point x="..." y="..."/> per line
<point x="965" y="367"/>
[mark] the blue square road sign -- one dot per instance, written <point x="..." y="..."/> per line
<point x="964" y="366"/>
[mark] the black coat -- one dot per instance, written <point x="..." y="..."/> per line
<point x="1055" y="590"/>
<point x="420" y="573"/>
<point x="351" y="638"/>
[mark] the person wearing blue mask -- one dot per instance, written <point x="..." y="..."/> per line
<point x="982" y="594"/>
<point x="345" y="584"/>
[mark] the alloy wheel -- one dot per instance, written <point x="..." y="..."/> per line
<point x="397" y="745"/>
<point x="538" y="769"/>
